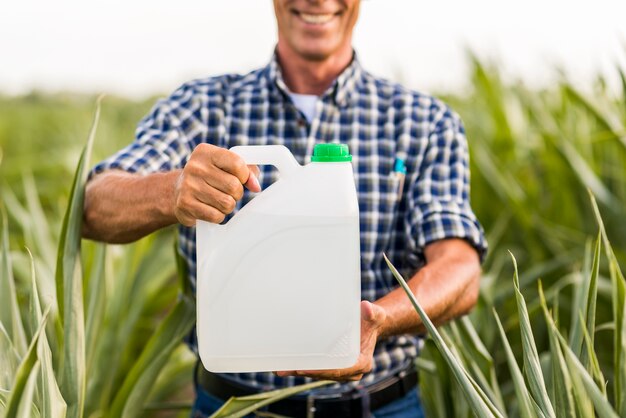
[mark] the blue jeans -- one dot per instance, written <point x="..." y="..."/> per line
<point x="407" y="407"/>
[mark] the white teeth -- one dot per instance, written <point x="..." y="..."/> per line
<point x="316" y="19"/>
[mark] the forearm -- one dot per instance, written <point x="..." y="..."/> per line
<point x="121" y="207"/>
<point x="446" y="287"/>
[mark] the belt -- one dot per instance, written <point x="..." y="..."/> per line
<point x="356" y="403"/>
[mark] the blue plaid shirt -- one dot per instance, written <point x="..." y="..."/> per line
<point x="380" y="121"/>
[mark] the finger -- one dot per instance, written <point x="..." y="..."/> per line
<point x="223" y="202"/>
<point x="197" y="188"/>
<point x="252" y="183"/>
<point x="336" y="375"/>
<point x="231" y="163"/>
<point x="200" y="172"/>
<point x="371" y="312"/>
<point x="284" y="373"/>
<point x="189" y="213"/>
<point x="224" y="182"/>
<point x="222" y="161"/>
<point x="255" y="170"/>
<point x="351" y="373"/>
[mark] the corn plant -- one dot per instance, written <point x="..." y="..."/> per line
<point x="79" y="344"/>
<point x="459" y="378"/>
<point x="535" y="153"/>
<point x="87" y="344"/>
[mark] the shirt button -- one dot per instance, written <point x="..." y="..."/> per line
<point x="301" y="123"/>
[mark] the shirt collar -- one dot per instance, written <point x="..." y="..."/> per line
<point x="340" y="91"/>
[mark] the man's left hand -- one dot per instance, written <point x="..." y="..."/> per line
<point x="372" y="319"/>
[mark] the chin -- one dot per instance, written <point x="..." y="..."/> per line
<point x="317" y="52"/>
<point x="315" y="55"/>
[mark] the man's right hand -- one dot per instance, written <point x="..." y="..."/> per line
<point x="210" y="185"/>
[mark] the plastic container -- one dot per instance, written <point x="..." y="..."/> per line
<point x="278" y="286"/>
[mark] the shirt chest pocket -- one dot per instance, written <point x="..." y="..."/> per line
<point x="378" y="203"/>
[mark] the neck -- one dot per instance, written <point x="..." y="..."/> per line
<point x="304" y="76"/>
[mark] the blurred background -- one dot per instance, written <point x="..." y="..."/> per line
<point x="540" y="85"/>
<point x="145" y="47"/>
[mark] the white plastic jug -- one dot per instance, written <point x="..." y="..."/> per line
<point x="278" y="286"/>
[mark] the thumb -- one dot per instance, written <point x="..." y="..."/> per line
<point x="252" y="183"/>
<point x="372" y="313"/>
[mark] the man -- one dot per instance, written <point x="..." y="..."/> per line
<point x="411" y="171"/>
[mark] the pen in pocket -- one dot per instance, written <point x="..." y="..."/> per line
<point x="399" y="171"/>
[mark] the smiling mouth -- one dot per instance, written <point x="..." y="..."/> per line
<point x="317" y="18"/>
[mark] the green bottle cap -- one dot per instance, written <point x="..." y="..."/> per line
<point x="331" y="153"/>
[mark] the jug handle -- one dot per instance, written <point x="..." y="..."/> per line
<point x="277" y="155"/>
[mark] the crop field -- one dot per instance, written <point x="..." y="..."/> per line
<point x="98" y="332"/>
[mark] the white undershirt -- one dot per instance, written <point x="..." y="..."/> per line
<point x="305" y="103"/>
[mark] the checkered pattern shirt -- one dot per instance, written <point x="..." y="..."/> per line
<point x="380" y="122"/>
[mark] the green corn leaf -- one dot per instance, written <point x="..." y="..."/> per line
<point x="125" y="280"/>
<point x="619" y="316"/>
<point x="35" y="313"/>
<point x="242" y="406"/>
<point x="524" y="402"/>
<point x="491" y="88"/>
<point x="96" y="300"/>
<point x="142" y="276"/>
<point x="467" y="346"/>
<point x="26" y="407"/>
<point x="44" y="243"/>
<point x="9" y="360"/>
<point x="468" y="336"/>
<point x="131" y="397"/>
<point x="610" y="125"/>
<point x="25" y="369"/>
<point x="177" y="373"/>
<point x="582" y="381"/>
<point x="485" y="392"/>
<point x="593" y="365"/>
<point x="458" y="399"/>
<point x="70" y="286"/>
<point x="9" y="310"/>
<point x="38" y="221"/>
<point x="619" y="307"/>
<point x="35" y="304"/>
<point x="15" y="209"/>
<point x="587" y="175"/>
<point x="531" y="275"/>
<point x="588" y="292"/>
<point x="425" y="365"/>
<point x="501" y="180"/>
<point x="52" y="403"/>
<point x="435" y="382"/>
<point x="478" y="380"/>
<point x="111" y="336"/>
<point x="532" y="366"/>
<point x="478" y="405"/>
<point x="579" y="292"/>
<point x="33" y="238"/>
<point x="591" y="300"/>
<point x="561" y="380"/>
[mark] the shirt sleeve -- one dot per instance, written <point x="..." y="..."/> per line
<point x="160" y="145"/>
<point x="440" y="195"/>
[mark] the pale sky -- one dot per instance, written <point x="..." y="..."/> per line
<point x="141" y="47"/>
